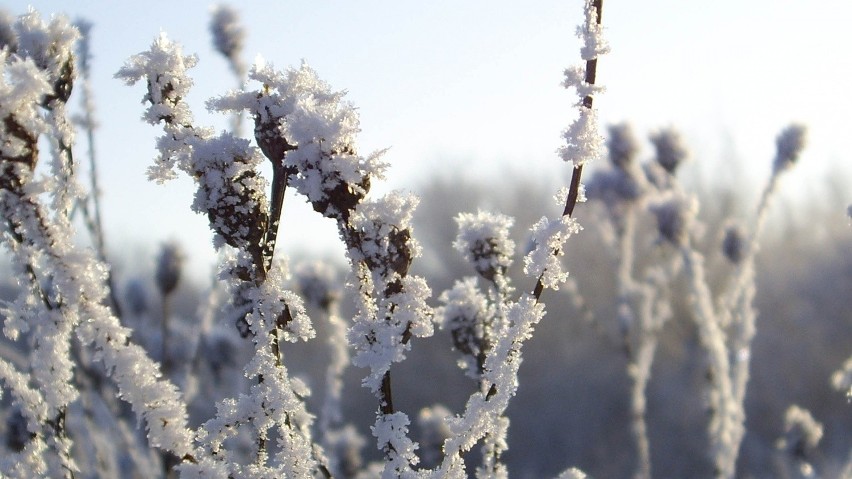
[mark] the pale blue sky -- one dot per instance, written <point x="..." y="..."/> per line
<point x="459" y="86"/>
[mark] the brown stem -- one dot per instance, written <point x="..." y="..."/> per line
<point x="280" y="175"/>
<point x="574" y="189"/>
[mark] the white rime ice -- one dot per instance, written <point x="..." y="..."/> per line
<point x="63" y="286"/>
<point x="549" y="237"/>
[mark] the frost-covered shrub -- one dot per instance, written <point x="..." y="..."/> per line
<point x="217" y="390"/>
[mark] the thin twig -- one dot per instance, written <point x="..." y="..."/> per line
<point x="574" y="189"/>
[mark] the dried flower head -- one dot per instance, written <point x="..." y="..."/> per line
<point x="381" y="234"/>
<point x="169" y="266"/>
<point x="228" y="35"/>
<point x="615" y="186"/>
<point x="622" y="145"/>
<point x="670" y="149"/>
<point x="51" y="46"/>
<point x="733" y="244"/>
<point x="789" y="145"/>
<point x="467" y="315"/>
<point x="230" y="191"/>
<point x="674" y="214"/>
<point x="483" y="240"/>
<point x="316" y="281"/>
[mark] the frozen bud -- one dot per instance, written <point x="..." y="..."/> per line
<point x="802" y="433"/>
<point x="483" y="240"/>
<point x="674" y="218"/>
<point x="433" y="432"/>
<point x="614" y="186"/>
<point x="789" y="145"/>
<point x="622" y="145"/>
<point x="381" y="233"/>
<point x="269" y="138"/>
<point x="670" y="149"/>
<point x="317" y="282"/>
<point x="733" y="244"/>
<point x="51" y="47"/>
<point x="465" y="314"/>
<point x="169" y="265"/>
<point x="230" y="190"/>
<point x="228" y="34"/>
<point x="136" y="297"/>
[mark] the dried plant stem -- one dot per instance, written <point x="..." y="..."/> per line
<point x="280" y="175"/>
<point x="94" y="221"/>
<point x="577" y="173"/>
<point x="164" y="328"/>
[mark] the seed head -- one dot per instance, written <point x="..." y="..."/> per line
<point x="622" y="145"/>
<point x="671" y="151"/>
<point x="733" y="244"/>
<point x="169" y="265"/>
<point x="789" y="145"/>
<point x="674" y="218"/>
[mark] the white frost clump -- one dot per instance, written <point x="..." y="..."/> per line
<point x="297" y="113"/>
<point x="802" y="432"/>
<point x="51" y="46"/>
<point x="583" y="141"/>
<point x="549" y="236"/>
<point x="391" y="431"/>
<point x="467" y="314"/>
<point x="591" y="33"/>
<point x="483" y="240"/>
<point x="842" y="379"/>
<point x="164" y="67"/>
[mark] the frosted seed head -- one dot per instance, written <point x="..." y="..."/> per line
<point x="671" y="151"/>
<point x="466" y="314"/>
<point x="733" y="244"/>
<point x="317" y="283"/>
<point x="483" y="240"/>
<point x="622" y="145"/>
<point x="51" y="46"/>
<point x="615" y="186"/>
<point x="674" y="218"/>
<point x="789" y="145"/>
<point x="169" y="266"/>
<point x="381" y="234"/>
<point x="228" y="34"/>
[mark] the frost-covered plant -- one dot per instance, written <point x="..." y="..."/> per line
<point x="726" y="324"/>
<point x="642" y="305"/>
<point x="308" y="133"/>
<point x="802" y="434"/>
<point x="63" y="290"/>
